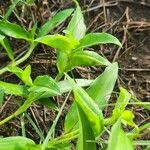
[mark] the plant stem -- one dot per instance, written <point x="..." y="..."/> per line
<point x="7" y="119"/>
<point x="58" y="77"/>
<point x="23" y="125"/>
<point x="22" y="59"/>
<point x="11" y="9"/>
<point x="45" y="143"/>
<point x="136" y="132"/>
<point x="27" y="55"/>
<point x="36" y="128"/>
<point x="20" y="110"/>
<point x="64" y="138"/>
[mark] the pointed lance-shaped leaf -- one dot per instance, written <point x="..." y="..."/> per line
<point x="24" y="75"/>
<point x="86" y="134"/>
<point x="14" y="89"/>
<point x="4" y="42"/>
<point x="57" y="41"/>
<point x="53" y="22"/>
<point x="100" y="91"/>
<point x="92" y="39"/>
<point x="65" y="86"/>
<point x="14" y="30"/>
<point x="118" y="140"/>
<point x="62" y="62"/>
<point x="46" y="85"/>
<point x="88" y="106"/>
<point x="87" y="58"/>
<point x="121" y="104"/>
<point x="77" y="26"/>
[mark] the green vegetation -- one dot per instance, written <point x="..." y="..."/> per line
<point x="84" y="123"/>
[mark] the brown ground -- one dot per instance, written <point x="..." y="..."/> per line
<point x="129" y="20"/>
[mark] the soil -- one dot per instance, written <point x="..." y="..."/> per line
<point x="128" y="20"/>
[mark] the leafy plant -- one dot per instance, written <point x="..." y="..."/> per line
<point x="18" y="32"/>
<point x="85" y="123"/>
<point x="70" y="47"/>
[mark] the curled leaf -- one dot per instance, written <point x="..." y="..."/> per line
<point x="127" y="118"/>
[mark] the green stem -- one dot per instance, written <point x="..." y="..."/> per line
<point x="19" y="61"/>
<point x="48" y="137"/>
<point x="23" y="125"/>
<point x="21" y="109"/>
<point x="59" y="76"/>
<point x="64" y="138"/>
<point x="136" y="132"/>
<point x="27" y="55"/>
<point x="143" y="127"/>
<point x="36" y="127"/>
<point x="7" y="119"/>
<point x="11" y="9"/>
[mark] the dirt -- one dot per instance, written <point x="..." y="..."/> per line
<point x="128" y="20"/>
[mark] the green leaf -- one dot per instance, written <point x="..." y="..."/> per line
<point x="46" y="85"/>
<point x="30" y="2"/>
<point x="65" y="86"/>
<point x="4" y="42"/>
<point x="89" y="107"/>
<point x="59" y="42"/>
<point x="87" y="58"/>
<point x="1" y="97"/>
<point x="24" y="75"/>
<point x="102" y="88"/>
<point x="92" y="39"/>
<point x="16" y="143"/>
<point x="100" y="91"/>
<point x="33" y="31"/>
<point x="118" y="139"/>
<point x="121" y="103"/>
<point x="86" y="135"/>
<point x="142" y="142"/>
<point x="127" y="118"/>
<point x="14" y="30"/>
<point x="48" y="103"/>
<point x="72" y="119"/>
<point x="62" y="62"/>
<point x="14" y="89"/>
<point x="54" y="22"/>
<point x="16" y="70"/>
<point x="43" y="87"/>
<point x="148" y="148"/>
<point x="77" y="26"/>
<point x="11" y="9"/>
<point x="122" y="100"/>
<point x="61" y="146"/>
